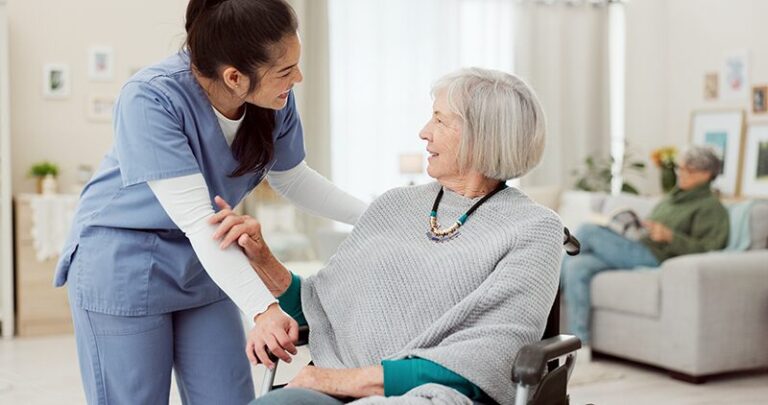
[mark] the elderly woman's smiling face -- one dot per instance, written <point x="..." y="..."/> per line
<point x="443" y="135"/>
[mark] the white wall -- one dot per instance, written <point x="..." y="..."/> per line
<point x="701" y="32"/>
<point x="141" y="32"/>
<point x="672" y="44"/>
<point x="43" y="31"/>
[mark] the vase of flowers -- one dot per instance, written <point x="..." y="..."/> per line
<point x="664" y="159"/>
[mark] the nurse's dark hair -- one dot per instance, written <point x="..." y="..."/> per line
<point x="242" y="34"/>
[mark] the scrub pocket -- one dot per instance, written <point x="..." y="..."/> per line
<point x="112" y="268"/>
<point x="62" y="267"/>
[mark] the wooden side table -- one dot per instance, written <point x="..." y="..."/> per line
<point x="41" y="309"/>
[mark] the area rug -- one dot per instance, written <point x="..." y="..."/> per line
<point x="593" y="372"/>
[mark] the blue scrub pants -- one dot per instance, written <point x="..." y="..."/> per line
<point x="601" y="250"/>
<point x="128" y="360"/>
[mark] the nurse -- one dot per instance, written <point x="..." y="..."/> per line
<point x="150" y="288"/>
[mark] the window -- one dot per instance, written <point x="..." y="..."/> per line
<point x="385" y="55"/>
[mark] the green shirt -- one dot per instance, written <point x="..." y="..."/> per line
<point x="698" y="221"/>
<point x="400" y="376"/>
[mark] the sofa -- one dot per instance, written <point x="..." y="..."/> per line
<point x="696" y="316"/>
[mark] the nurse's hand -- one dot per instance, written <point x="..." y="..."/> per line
<point x="275" y="330"/>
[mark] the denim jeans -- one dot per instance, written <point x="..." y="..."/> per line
<point x="601" y="250"/>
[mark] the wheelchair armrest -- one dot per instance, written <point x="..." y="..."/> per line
<point x="532" y="359"/>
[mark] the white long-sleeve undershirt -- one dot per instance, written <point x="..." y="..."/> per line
<point x="313" y="193"/>
<point x="186" y="201"/>
<point x="304" y="187"/>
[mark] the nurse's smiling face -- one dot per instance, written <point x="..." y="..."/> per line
<point x="278" y="79"/>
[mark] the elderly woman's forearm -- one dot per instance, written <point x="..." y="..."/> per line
<point x="274" y="275"/>
<point x="364" y="382"/>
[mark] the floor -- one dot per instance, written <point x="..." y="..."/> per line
<point x="44" y="371"/>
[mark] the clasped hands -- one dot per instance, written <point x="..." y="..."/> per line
<point x="658" y="232"/>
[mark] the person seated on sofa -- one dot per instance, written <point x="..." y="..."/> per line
<point x="690" y="219"/>
<point x="408" y="308"/>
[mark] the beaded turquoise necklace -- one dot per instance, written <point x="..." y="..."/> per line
<point x="443" y="235"/>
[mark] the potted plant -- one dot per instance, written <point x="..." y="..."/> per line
<point x="45" y="172"/>
<point x="664" y="159"/>
<point x="595" y="175"/>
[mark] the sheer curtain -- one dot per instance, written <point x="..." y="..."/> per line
<point x="384" y="57"/>
<point x="562" y="53"/>
<point x="385" y="54"/>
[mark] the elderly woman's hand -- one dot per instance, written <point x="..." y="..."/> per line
<point x="658" y="232"/>
<point x="246" y="231"/>
<point x="275" y="330"/>
<point x="239" y="228"/>
<point x="348" y="382"/>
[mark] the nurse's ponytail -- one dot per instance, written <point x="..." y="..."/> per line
<point x="197" y="7"/>
<point x="241" y="33"/>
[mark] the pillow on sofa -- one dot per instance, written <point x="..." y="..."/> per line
<point x="758" y="225"/>
<point x="578" y="207"/>
<point x="748" y="225"/>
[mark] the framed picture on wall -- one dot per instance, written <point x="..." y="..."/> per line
<point x="724" y="131"/>
<point x="100" y="63"/>
<point x="99" y="108"/>
<point x="56" y="80"/>
<point x="755" y="176"/>
<point x="711" y="86"/>
<point x="759" y="105"/>
<point x="734" y="85"/>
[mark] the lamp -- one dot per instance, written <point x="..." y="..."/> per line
<point x="411" y="165"/>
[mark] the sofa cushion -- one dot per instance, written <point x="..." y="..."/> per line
<point x="642" y="205"/>
<point x="758" y="226"/>
<point x="577" y="207"/>
<point x="631" y="291"/>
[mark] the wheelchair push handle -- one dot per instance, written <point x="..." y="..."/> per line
<point x="570" y="243"/>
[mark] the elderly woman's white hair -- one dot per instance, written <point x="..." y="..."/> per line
<point x="704" y="158"/>
<point x="503" y="124"/>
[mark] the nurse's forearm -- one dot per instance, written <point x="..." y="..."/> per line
<point x="186" y="201"/>
<point x="312" y="192"/>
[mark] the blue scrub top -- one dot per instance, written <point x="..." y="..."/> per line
<point x="124" y="255"/>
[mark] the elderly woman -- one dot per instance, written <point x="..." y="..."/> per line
<point x="411" y="309"/>
<point x="689" y="220"/>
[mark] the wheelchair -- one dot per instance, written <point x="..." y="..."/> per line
<point x="539" y="374"/>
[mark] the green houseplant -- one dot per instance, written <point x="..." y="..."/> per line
<point x="596" y="174"/>
<point x="44" y="171"/>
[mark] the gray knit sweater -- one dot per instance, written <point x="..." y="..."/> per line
<point x="467" y="304"/>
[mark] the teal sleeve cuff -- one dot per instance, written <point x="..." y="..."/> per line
<point x="290" y="300"/>
<point x="400" y="376"/>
